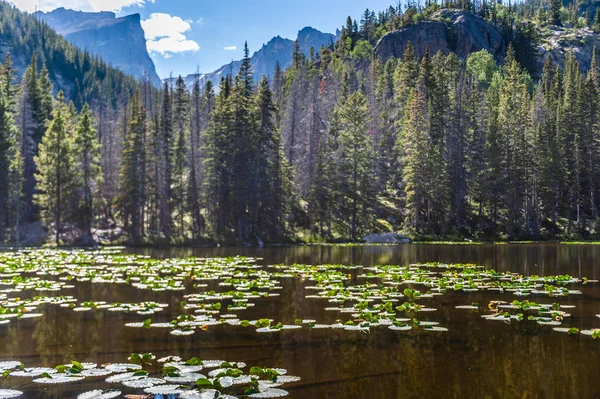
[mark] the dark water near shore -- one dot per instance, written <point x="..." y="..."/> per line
<point x="474" y="359"/>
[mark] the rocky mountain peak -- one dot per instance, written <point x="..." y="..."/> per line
<point x="119" y="41"/>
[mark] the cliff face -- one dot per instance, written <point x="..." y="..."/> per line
<point x="449" y="31"/>
<point x="464" y="33"/>
<point x="556" y="42"/>
<point x="118" y="41"/>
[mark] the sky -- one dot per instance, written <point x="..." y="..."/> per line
<point x="184" y="36"/>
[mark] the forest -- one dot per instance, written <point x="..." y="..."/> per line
<point x="332" y="148"/>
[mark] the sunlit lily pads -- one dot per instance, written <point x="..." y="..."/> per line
<point x="99" y="394"/>
<point x="9" y="393"/>
<point x="270" y="393"/>
<point x="164" y="390"/>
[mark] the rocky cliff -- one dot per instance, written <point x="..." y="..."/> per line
<point x="448" y="31"/>
<point x="463" y="33"/>
<point x="118" y="41"/>
<point x="556" y="42"/>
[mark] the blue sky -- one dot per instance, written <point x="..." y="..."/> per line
<point x="187" y="34"/>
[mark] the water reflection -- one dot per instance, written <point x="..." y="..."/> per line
<point x="523" y="258"/>
<point x="475" y="359"/>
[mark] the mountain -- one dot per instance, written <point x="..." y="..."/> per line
<point x="81" y="77"/>
<point x="118" y="41"/>
<point x="276" y="50"/>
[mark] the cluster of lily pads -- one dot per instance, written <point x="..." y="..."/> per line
<point x="217" y="291"/>
<point x="553" y="315"/>
<point x="389" y="295"/>
<point x="177" y="379"/>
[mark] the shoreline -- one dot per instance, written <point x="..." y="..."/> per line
<point x="9" y="246"/>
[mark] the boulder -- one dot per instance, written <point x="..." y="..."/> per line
<point x="386" y="238"/>
<point x="32" y="234"/>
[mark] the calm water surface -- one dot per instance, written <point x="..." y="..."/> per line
<point x="474" y="359"/>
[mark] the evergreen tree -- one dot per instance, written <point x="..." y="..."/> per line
<point x="9" y="143"/>
<point x="15" y="181"/>
<point x="555" y="6"/>
<point x="131" y="200"/>
<point x="356" y="164"/>
<point x="512" y="130"/>
<point x="87" y="154"/>
<point x="270" y="204"/>
<point x="218" y="145"/>
<point x="321" y="194"/>
<point x="415" y="144"/>
<point x="163" y="143"/>
<point x="243" y="150"/>
<point x="180" y="167"/>
<point x="35" y="108"/>
<point x="196" y="124"/>
<point x="55" y="174"/>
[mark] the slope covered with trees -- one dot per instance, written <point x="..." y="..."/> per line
<point x="337" y="145"/>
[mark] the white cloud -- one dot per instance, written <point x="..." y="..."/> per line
<point x="230" y="48"/>
<point x="116" y="5"/>
<point x="200" y="21"/>
<point x="78" y="5"/>
<point x="166" y="35"/>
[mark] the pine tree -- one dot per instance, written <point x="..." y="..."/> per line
<point x="555" y="6"/>
<point x="87" y="154"/>
<point x="55" y="174"/>
<point x="242" y="149"/>
<point x="35" y="108"/>
<point x="164" y="157"/>
<point x="386" y="159"/>
<point x="133" y="167"/>
<point x="405" y="78"/>
<point x="366" y="25"/>
<point x="415" y="145"/>
<point x="322" y="192"/>
<point x="217" y="179"/>
<point x="9" y="143"/>
<point x="549" y="143"/>
<point x="180" y="167"/>
<point x="512" y="100"/>
<point x="570" y="134"/>
<point x="195" y="166"/>
<point x="356" y="164"/>
<point x="15" y="181"/>
<point x="269" y="205"/>
<point x="596" y="24"/>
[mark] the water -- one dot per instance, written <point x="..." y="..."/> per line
<point x="474" y="359"/>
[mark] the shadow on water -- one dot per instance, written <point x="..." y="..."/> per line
<point x="474" y="359"/>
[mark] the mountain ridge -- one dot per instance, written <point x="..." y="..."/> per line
<point x="119" y="41"/>
<point x="277" y="49"/>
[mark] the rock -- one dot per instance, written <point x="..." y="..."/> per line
<point x="108" y="235"/>
<point x="260" y="242"/>
<point x="449" y="31"/>
<point x="386" y="238"/>
<point x="579" y="42"/>
<point x="32" y="234"/>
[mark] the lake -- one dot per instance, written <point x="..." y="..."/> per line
<point x="475" y="358"/>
